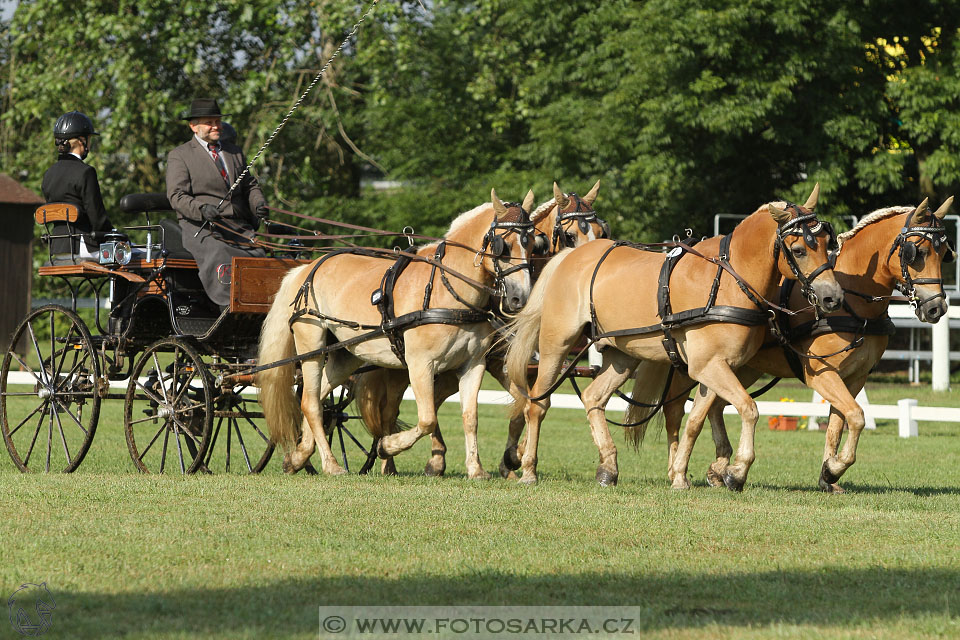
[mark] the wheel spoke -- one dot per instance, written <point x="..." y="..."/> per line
<point x="33" y="442"/>
<point x="163" y="454"/>
<point x="180" y="427"/>
<point x="357" y="442"/>
<point x="63" y="437"/>
<point x="343" y="449"/>
<point x="40" y="406"/>
<point x="253" y="424"/>
<point x="53" y="411"/>
<point x="163" y="427"/>
<point x="176" y="434"/>
<point x="66" y="409"/>
<point x="160" y="377"/>
<point x="243" y="446"/>
<point x="44" y="379"/>
<point x="150" y="394"/>
<point x="63" y="354"/>
<point x="213" y="442"/>
<point x="24" y="366"/>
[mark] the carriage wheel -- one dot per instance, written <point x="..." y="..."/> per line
<point x="168" y="409"/>
<point x="49" y="420"/>
<point x="240" y="442"/>
<point x="335" y="418"/>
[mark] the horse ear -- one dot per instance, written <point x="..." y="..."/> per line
<point x="558" y="195"/>
<point x="592" y="194"/>
<point x="528" y="201"/>
<point x="942" y="211"/>
<point x="811" y="202"/>
<point x="780" y="215"/>
<point x="922" y="207"/>
<point x="498" y="207"/>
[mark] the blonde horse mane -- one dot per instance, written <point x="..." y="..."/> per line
<point x="870" y="218"/>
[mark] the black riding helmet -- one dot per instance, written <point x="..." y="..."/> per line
<point x="73" y="125"/>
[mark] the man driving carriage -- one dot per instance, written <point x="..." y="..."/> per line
<point x="199" y="175"/>
<point x="73" y="181"/>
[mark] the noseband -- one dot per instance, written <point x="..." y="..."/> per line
<point x="497" y="243"/>
<point x="563" y="239"/>
<point x="907" y="253"/>
<point x="798" y="226"/>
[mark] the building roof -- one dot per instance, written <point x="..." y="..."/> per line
<point x="12" y="192"/>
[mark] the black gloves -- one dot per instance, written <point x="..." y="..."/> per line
<point x="209" y="212"/>
<point x="262" y="211"/>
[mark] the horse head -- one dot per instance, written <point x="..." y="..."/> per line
<point x="574" y="221"/>
<point x="921" y="249"/>
<point x="803" y="245"/>
<point x="507" y="248"/>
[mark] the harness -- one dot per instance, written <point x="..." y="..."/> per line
<point x="907" y="253"/>
<point x="392" y="326"/>
<point x="575" y="212"/>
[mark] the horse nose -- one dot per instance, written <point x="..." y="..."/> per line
<point x="515" y="303"/>
<point x="933" y="313"/>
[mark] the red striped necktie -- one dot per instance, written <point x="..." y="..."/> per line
<point x="217" y="160"/>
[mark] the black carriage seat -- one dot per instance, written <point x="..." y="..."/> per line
<point x="153" y="202"/>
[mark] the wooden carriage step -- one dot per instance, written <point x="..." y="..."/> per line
<point x="131" y="272"/>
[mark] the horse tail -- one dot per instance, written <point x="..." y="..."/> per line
<point x="649" y="382"/>
<point x="370" y="393"/>
<point x="277" y="398"/>
<point x="525" y="331"/>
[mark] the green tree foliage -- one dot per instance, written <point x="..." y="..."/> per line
<point x="682" y="108"/>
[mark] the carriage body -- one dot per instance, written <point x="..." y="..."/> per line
<point x="158" y="344"/>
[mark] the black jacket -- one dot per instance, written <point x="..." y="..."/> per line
<point x="73" y="181"/>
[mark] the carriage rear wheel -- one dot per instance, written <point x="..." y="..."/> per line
<point x="240" y="442"/>
<point x="335" y="418"/>
<point x="168" y="410"/>
<point x="49" y="403"/>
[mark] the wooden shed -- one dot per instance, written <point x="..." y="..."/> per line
<point x="17" y="204"/>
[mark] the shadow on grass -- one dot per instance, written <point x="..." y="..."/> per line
<point x="843" y="598"/>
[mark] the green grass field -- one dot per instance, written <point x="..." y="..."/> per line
<point x="134" y="556"/>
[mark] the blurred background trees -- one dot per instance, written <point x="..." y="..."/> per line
<point x="682" y="109"/>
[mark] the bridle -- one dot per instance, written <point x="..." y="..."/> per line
<point x="497" y="243"/>
<point x="936" y="235"/>
<point x="798" y="226"/>
<point x="584" y="217"/>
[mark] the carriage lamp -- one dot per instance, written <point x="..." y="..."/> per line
<point x="116" y="249"/>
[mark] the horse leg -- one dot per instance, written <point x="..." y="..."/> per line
<point x="421" y="382"/>
<point x="843" y="407"/>
<point x="673" y="412"/>
<point x="340" y="364"/>
<point x="444" y="387"/>
<point x="701" y="405"/>
<point x="296" y="459"/>
<point x="510" y="461"/>
<point x="724" y="382"/>
<point x="615" y="370"/>
<point x="469" y="389"/>
<point x="722" y="443"/>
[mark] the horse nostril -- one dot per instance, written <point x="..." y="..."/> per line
<point x="515" y="302"/>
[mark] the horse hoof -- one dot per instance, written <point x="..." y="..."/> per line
<point x="388" y="468"/>
<point x="714" y="479"/>
<point x="381" y="451"/>
<point x="528" y="479"/>
<point x="481" y="475"/>
<point x="606" y="478"/>
<point x="507" y="473"/>
<point x="680" y="483"/>
<point x="434" y="470"/>
<point x="510" y="459"/>
<point x="288" y="467"/>
<point x="732" y="483"/>
<point x="339" y="471"/>
<point x="826" y="476"/>
<point x="311" y="471"/>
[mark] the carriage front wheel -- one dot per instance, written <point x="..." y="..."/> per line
<point x="49" y="401"/>
<point x="168" y="409"/>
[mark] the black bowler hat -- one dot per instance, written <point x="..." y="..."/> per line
<point x="204" y="108"/>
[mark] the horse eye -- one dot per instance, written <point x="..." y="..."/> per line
<point x="798" y="251"/>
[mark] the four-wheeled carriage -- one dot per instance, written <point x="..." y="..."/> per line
<point x="173" y="357"/>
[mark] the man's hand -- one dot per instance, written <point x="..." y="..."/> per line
<point x="262" y="211"/>
<point x="209" y="212"/>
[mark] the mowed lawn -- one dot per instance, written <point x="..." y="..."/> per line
<point x="126" y="555"/>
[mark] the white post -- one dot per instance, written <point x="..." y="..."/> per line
<point x="594" y="357"/>
<point x="940" y="334"/>
<point x="908" y="426"/>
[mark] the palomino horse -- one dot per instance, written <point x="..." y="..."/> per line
<point x="425" y="315"/>
<point x="896" y="247"/>
<point x="566" y="220"/>
<point x="586" y="287"/>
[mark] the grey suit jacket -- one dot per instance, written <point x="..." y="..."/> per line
<point x="193" y="179"/>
